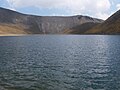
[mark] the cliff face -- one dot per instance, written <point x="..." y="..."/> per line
<point x="110" y="26"/>
<point x="42" y="24"/>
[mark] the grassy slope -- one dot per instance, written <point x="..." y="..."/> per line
<point x="80" y="29"/>
<point x="113" y="28"/>
<point x="7" y="29"/>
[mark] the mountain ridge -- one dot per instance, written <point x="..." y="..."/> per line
<point x="42" y="24"/>
<point x="109" y="26"/>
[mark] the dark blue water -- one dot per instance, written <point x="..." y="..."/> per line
<point x="60" y="62"/>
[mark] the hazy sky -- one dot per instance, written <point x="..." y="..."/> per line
<point x="95" y="8"/>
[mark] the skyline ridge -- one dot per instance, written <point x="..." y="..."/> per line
<point x="95" y="8"/>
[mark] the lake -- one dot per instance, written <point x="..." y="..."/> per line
<point x="60" y="62"/>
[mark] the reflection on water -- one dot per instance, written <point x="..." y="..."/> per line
<point x="60" y="62"/>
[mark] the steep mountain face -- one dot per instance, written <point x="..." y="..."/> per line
<point x="31" y="24"/>
<point x="110" y="26"/>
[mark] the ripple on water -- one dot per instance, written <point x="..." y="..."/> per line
<point x="60" y="63"/>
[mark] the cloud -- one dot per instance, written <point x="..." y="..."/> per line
<point x="93" y="7"/>
<point x="102" y="15"/>
<point x="118" y="6"/>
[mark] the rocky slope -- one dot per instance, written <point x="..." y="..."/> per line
<point x="110" y="26"/>
<point x="16" y="23"/>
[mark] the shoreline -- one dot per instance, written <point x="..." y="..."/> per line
<point x="7" y="35"/>
<point x="1" y="35"/>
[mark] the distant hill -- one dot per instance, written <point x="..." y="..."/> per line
<point x="12" y="22"/>
<point x="110" y="26"/>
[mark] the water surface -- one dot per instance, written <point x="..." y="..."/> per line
<point x="60" y="62"/>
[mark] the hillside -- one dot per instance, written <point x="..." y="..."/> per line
<point x="13" y="29"/>
<point x="12" y="22"/>
<point x="110" y="26"/>
<point x="81" y="29"/>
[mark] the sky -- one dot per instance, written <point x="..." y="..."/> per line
<point x="95" y="8"/>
